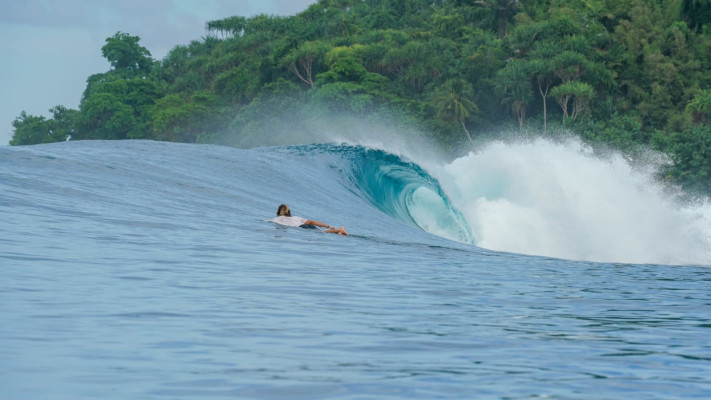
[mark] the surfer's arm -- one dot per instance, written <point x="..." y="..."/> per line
<point x="339" y="231"/>
<point x="316" y="223"/>
<point x="329" y="228"/>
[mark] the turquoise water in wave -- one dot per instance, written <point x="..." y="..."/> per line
<point x="144" y="270"/>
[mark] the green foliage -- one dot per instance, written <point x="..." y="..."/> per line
<point x="306" y="61"/>
<point x="228" y="26"/>
<point x="31" y="129"/>
<point x="700" y="106"/>
<point x="125" y="54"/>
<point x="637" y="70"/>
<point x="515" y="84"/>
<point x="343" y="65"/>
<point x="238" y="85"/>
<point x="621" y="132"/>
<point x="691" y="153"/>
<point x="453" y="102"/>
<point x="116" y="108"/>
<point x="177" y="117"/>
<point x="579" y="92"/>
<point x="503" y="11"/>
<point x="697" y="13"/>
<point x="347" y="96"/>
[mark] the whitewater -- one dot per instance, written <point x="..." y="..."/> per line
<point x="523" y="269"/>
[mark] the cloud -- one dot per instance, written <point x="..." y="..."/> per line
<point x="160" y="23"/>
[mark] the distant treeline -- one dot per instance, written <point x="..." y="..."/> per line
<point x="623" y="74"/>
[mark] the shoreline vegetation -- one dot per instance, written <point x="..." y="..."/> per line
<point x="626" y="75"/>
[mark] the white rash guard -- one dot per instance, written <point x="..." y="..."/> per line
<point x="289" y="221"/>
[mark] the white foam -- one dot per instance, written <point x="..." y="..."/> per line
<point x="559" y="200"/>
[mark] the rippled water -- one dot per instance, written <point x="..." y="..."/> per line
<point x="146" y="270"/>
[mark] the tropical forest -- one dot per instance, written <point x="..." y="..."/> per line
<point x="633" y="76"/>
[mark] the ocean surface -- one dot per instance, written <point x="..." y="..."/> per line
<point x="537" y="269"/>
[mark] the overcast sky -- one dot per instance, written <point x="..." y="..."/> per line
<point x="48" y="48"/>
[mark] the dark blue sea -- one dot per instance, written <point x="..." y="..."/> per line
<point x="528" y="270"/>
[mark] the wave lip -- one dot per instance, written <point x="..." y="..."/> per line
<point x="403" y="190"/>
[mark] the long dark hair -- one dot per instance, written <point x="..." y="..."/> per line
<point x="283" y="210"/>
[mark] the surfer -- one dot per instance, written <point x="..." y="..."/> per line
<point x="284" y="218"/>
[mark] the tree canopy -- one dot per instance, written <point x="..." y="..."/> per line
<point x="625" y="74"/>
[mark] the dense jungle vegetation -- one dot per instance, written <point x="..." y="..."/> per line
<point x="620" y="73"/>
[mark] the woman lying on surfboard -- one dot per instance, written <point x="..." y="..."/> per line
<point x="284" y="218"/>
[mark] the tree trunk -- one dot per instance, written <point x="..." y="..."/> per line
<point x="563" y="102"/>
<point x="545" y="115"/>
<point x="520" y="108"/>
<point x="306" y="64"/>
<point x="466" y="131"/>
<point x="544" y="95"/>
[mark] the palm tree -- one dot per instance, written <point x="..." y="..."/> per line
<point x="542" y="70"/>
<point x="700" y="106"/>
<point x="514" y="82"/>
<point x="580" y="92"/>
<point x="453" y="102"/>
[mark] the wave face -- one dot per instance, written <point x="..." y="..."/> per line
<point x="559" y="200"/>
<point x="545" y="198"/>
<point x="406" y="192"/>
<point x="139" y="269"/>
<point x="535" y="198"/>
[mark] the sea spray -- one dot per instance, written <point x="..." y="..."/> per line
<point x="550" y="197"/>
<point x="558" y="199"/>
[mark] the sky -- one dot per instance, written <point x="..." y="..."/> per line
<point x="48" y="48"/>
